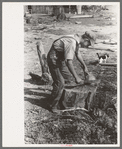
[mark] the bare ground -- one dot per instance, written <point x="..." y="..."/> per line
<point x="43" y="127"/>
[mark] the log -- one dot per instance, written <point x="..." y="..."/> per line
<point x="81" y="16"/>
<point x="39" y="27"/>
<point x="78" y="97"/>
<point x="109" y="42"/>
<point x="108" y="64"/>
<point x="101" y="46"/>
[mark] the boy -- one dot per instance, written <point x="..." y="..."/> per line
<point x="60" y="58"/>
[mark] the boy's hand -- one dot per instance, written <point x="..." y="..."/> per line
<point x="86" y="73"/>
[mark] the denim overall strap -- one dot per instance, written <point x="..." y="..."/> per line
<point x="77" y="45"/>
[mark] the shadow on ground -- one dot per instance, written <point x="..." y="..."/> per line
<point x="41" y="101"/>
<point x="45" y="79"/>
<point x="34" y="82"/>
<point x="30" y="91"/>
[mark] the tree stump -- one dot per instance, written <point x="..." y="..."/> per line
<point x="80" y="96"/>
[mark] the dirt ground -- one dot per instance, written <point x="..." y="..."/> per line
<point x="38" y="128"/>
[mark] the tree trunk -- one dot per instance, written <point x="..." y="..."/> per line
<point x="80" y="96"/>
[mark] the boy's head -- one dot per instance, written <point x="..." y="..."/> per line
<point x="88" y="39"/>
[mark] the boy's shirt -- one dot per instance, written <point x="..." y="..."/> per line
<point x="67" y="45"/>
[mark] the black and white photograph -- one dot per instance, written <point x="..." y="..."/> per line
<point x="70" y="74"/>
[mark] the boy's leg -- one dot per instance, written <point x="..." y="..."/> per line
<point x="65" y="72"/>
<point x="58" y="86"/>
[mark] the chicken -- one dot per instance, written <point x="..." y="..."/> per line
<point x="103" y="57"/>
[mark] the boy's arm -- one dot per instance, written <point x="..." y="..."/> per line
<point x="72" y="70"/>
<point x="80" y="59"/>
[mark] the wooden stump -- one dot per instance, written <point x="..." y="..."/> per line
<point x="80" y="96"/>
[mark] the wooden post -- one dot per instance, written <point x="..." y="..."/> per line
<point x="79" y="9"/>
<point x="42" y="57"/>
<point x="69" y="9"/>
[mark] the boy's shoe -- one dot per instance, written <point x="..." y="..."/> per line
<point x="54" y="110"/>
